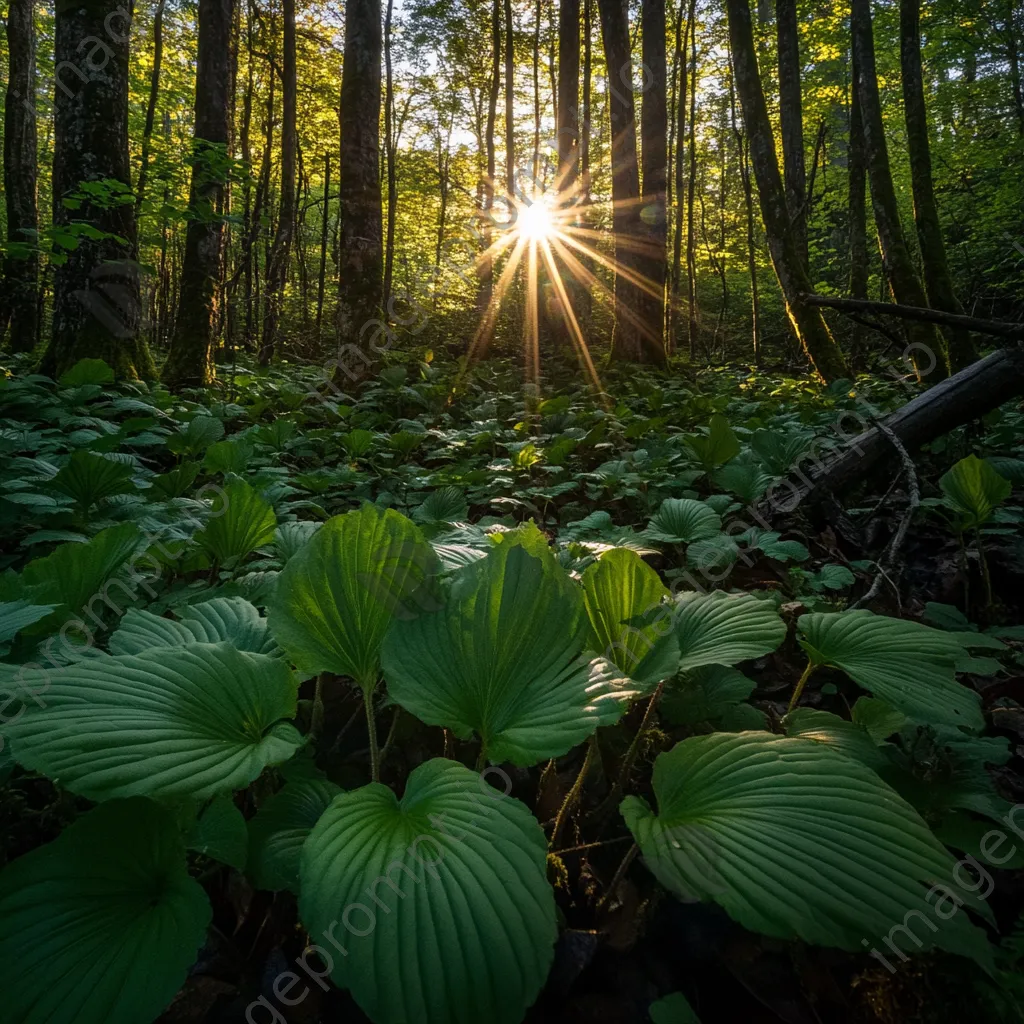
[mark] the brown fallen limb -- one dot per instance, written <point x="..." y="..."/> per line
<point x="966" y="396"/>
<point x="995" y="328"/>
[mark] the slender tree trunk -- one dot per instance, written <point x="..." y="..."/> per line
<point x="585" y="117"/>
<point x="926" y="347"/>
<point x="189" y="361"/>
<point x="937" y="280"/>
<point x="324" y="226"/>
<point x="807" y="322"/>
<point x="629" y="342"/>
<point x="748" y="200"/>
<point x="568" y="95"/>
<point x="361" y="266"/>
<point x="792" y="119"/>
<point x="857" y="171"/>
<point x="154" y="92"/>
<point x="693" y="323"/>
<point x="654" y="157"/>
<point x="510" y="97"/>
<point x="680" y="169"/>
<point x="390" y="143"/>
<point x="486" y="265"/>
<point x="536" y="91"/>
<point x="21" y="266"/>
<point x="277" y="262"/>
<point x="97" y="309"/>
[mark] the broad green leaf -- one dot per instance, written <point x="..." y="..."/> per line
<point x="745" y="477"/>
<point x="716" y="447"/>
<point x="440" y="900"/>
<point x="725" y="629"/>
<point x="973" y="489"/>
<point x="778" y="450"/>
<point x="847" y="738"/>
<point x="713" y="554"/>
<point x="176" y="721"/>
<point x="781" y="550"/>
<point x="221" y="618"/>
<point x="617" y="589"/>
<point x="101" y="925"/>
<point x="88" y="479"/>
<point x="87" y="371"/>
<point x="178" y="482"/>
<point x="796" y="841"/>
<point x="279" y="829"/>
<point x="80" y="576"/>
<point x="337" y="596"/>
<point x="17" y="615"/>
<point x="880" y="720"/>
<point x="835" y="577"/>
<point x="683" y="520"/>
<point x="292" y="537"/>
<point x="447" y="505"/>
<point x="673" y="1009"/>
<point x="242" y="520"/>
<point x="712" y="695"/>
<point x="358" y="443"/>
<point x="196" y="435"/>
<point x="219" y="832"/>
<point x="231" y="456"/>
<point x="909" y="666"/>
<point x="502" y="659"/>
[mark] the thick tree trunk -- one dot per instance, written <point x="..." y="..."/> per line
<point x="21" y="265"/>
<point x="485" y="269"/>
<point x="808" y="324"/>
<point x="568" y="95"/>
<point x="857" y="215"/>
<point x="154" y="92"/>
<point x="654" y="158"/>
<point x="280" y="250"/>
<point x="189" y="361"/>
<point x="791" y="116"/>
<point x="682" y="40"/>
<point x="97" y="310"/>
<point x="937" y="280"/>
<point x="360" y="253"/>
<point x="925" y="343"/>
<point x="629" y="342"/>
<point x="748" y="199"/>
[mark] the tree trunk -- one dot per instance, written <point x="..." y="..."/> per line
<point x="693" y="318"/>
<point x="390" y="143"/>
<point x="588" y="72"/>
<point x="792" y="120"/>
<point x="937" y="280"/>
<point x="629" y="343"/>
<point x="568" y="94"/>
<point x="654" y="157"/>
<point x="277" y="262"/>
<point x="324" y="226"/>
<point x="154" y="92"/>
<point x="189" y="361"/>
<point x="510" y="102"/>
<point x="808" y="324"/>
<point x="536" y="92"/>
<point x="748" y="199"/>
<point x="857" y="185"/>
<point x="21" y="266"/>
<point x="361" y="258"/>
<point x="96" y="303"/>
<point x="680" y="174"/>
<point x="925" y="343"/>
<point x="486" y="265"/>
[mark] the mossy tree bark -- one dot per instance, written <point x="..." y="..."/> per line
<point x="938" y="282"/>
<point x="21" y="269"/>
<point x="97" y="312"/>
<point x="926" y="346"/>
<point x="189" y="361"/>
<point x="807" y="322"/>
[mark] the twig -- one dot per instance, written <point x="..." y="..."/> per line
<point x="888" y="561"/>
<point x="574" y="793"/>
<point x="590" y="846"/>
<point x="620" y="873"/>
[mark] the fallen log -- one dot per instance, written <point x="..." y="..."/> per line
<point x="966" y="396"/>
<point x="994" y="328"/>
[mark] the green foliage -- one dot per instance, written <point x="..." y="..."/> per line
<point x="973" y="490"/>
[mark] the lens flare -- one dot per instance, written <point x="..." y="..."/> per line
<point x="535" y="222"/>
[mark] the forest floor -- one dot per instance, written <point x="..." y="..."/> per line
<point x="465" y="454"/>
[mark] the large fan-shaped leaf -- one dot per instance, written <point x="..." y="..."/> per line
<point x="176" y="721"/>
<point x="199" y="433"/>
<point x="618" y="589"/>
<point x="88" y="478"/>
<point x="221" y="618"/>
<point x="447" y="505"/>
<point x="910" y="666"/>
<point x="280" y="827"/>
<point x="242" y="520"/>
<point x="502" y="659"/>
<point x="683" y="520"/>
<point x="101" y="925"/>
<point x="17" y="615"/>
<point x="974" y="490"/>
<point x="796" y="841"/>
<point x="440" y="899"/>
<point x="724" y="629"/>
<point x="337" y="596"/>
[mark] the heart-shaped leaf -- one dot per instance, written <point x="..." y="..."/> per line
<point x="502" y="659"/>
<point x="617" y="589"/>
<point x="447" y="505"/>
<point x="909" y="666"/>
<point x="101" y="925"/>
<point x="974" y="490"/>
<point x="440" y="900"/>
<point x="177" y="721"/>
<point x="337" y="596"/>
<point x="241" y="521"/>
<point x="796" y="841"/>
<point x="199" y="433"/>
<point x="725" y="629"/>
<point x="683" y="520"/>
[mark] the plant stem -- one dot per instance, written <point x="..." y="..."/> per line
<point x="481" y="758"/>
<point x="391" y="735"/>
<point x="574" y="793"/>
<point x="371" y="728"/>
<point x="620" y="873"/>
<point x="316" y="722"/>
<point x="801" y="683"/>
<point x="985" y="577"/>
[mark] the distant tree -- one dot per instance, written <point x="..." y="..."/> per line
<point x="654" y="159"/>
<point x="791" y="118"/>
